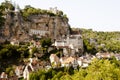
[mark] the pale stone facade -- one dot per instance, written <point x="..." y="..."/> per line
<point x="53" y="10"/>
<point x="38" y="32"/>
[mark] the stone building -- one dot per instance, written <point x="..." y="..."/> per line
<point x="73" y="43"/>
<point x="38" y="33"/>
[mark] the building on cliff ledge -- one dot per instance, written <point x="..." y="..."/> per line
<point x="38" y="33"/>
<point x="71" y="45"/>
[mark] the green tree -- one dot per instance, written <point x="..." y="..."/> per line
<point x="33" y="76"/>
<point x="4" y="7"/>
<point x="45" y="43"/>
<point x="110" y="40"/>
<point x="58" y="76"/>
<point x="7" y="5"/>
<point x="10" y="71"/>
<point x="2" y="19"/>
<point x="102" y="70"/>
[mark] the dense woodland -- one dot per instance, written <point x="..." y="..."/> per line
<point x="101" y="41"/>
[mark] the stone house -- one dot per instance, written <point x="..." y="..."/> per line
<point x="14" y="42"/>
<point x="54" y="60"/>
<point x="3" y="76"/>
<point x="83" y="63"/>
<point x="33" y="65"/>
<point x="103" y="55"/>
<point x="117" y="56"/>
<point x="19" y="71"/>
<point x="68" y="61"/>
<point x="85" y="60"/>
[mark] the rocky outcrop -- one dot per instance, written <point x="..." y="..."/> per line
<point x="35" y="25"/>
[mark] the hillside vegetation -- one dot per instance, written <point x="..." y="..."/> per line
<point x="101" y="41"/>
<point x="98" y="70"/>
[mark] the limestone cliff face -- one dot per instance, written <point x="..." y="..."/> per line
<point x="40" y="25"/>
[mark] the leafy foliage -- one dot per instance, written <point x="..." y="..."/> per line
<point x="4" y="7"/>
<point x="101" y="41"/>
<point x="103" y="69"/>
<point x="52" y="74"/>
<point x="46" y="42"/>
<point x="7" y="5"/>
<point x="29" y="10"/>
<point x="2" y="19"/>
<point x="11" y="54"/>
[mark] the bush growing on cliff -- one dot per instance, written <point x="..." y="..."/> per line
<point x="28" y="11"/>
